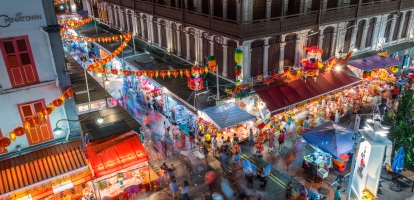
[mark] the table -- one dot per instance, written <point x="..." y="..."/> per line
<point x="409" y="175"/>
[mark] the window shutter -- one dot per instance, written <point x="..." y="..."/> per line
<point x="19" y="61"/>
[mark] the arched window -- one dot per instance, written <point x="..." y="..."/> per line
<point x="348" y="36"/>
<point x="388" y="28"/>
<point x="327" y="43"/>
<point x="370" y="32"/>
<point x="358" y="39"/>
<point x="397" y="27"/>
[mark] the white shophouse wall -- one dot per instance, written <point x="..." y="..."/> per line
<point x="47" y="88"/>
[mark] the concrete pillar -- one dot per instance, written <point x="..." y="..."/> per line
<point x="211" y="10"/>
<point x="224" y="67"/>
<point x="141" y="19"/>
<point x="169" y="37"/>
<point x="320" y="43"/>
<point x="225" y="8"/>
<point x="334" y="35"/>
<point x="85" y="5"/>
<point x="341" y="40"/>
<point x="72" y="6"/>
<point x="178" y="42"/>
<point x="159" y="34"/>
<point x="410" y="26"/>
<point x="134" y="24"/>
<point x="121" y="19"/>
<point x="110" y="17"/>
<point x="282" y="53"/>
<point x="238" y="6"/>
<point x="268" y="8"/>
<point x="212" y="45"/>
<point x="200" y="48"/>
<point x="246" y="65"/>
<point x="391" y="35"/>
<point x="149" y="27"/>
<point x="364" y="35"/>
<point x="88" y="6"/>
<point x="401" y="26"/>
<point x="266" y="57"/>
<point x="377" y="33"/>
<point x="302" y="6"/>
<point x="199" y="5"/>
<point x="325" y="4"/>
<point x="187" y="39"/>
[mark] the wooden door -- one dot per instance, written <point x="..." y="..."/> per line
<point x="276" y="8"/>
<point x="231" y="10"/>
<point x="293" y="7"/>
<point x="231" y="47"/>
<point x="274" y="54"/>
<point x="43" y="131"/>
<point x="145" y="28"/>
<point x="218" y="8"/>
<point x="290" y="50"/>
<point x="257" y="58"/>
<point x="218" y="52"/>
<point x="259" y="10"/>
<point x="164" y="42"/>
<point x="327" y="43"/>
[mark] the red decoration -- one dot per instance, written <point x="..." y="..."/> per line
<point x="34" y="121"/>
<point x="90" y="69"/>
<point x="150" y="74"/>
<point x="139" y="73"/>
<point x="210" y="177"/>
<point x="57" y="102"/>
<point x="114" y="71"/>
<point x="187" y="72"/>
<point x="5" y="142"/>
<point x="127" y="73"/>
<point x="238" y="72"/>
<point x="68" y="94"/>
<point x="213" y="68"/>
<point x="175" y="73"/>
<point x="163" y="74"/>
<point x="46" y="111"/>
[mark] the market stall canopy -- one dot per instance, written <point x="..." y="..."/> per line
<point x="331" y="137"/>
<point x="226" y="115"/>
<point x="115" y="153"/>
<point x="279" y="97"/>
<point x="374" y="62"/>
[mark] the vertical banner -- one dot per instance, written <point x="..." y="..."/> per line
<point x="360" y="172"/>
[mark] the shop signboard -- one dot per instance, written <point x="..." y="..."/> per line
<point x="360" y="172"/>
<point x="58" y="183"/>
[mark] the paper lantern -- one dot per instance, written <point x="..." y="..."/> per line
<point x="206" y="70"/>
<point x="5" y="142"/>
<point x="69" y="93"/>
<point x="238" y="56"/>
<point x="114" y="71"/>
<point x="169" y="74"/>
<point x="213" y="68"/>
<point x="201" y="70"/>
<point x="138" y="73"/>
<point x="212" y="61"/>
<point x="187" y="72"/>
<point x="19" y="131"/>
<point x="181" y="73"/>
<point x="12" y="136"/>
<point x="145" y="73"/>
<point x="238" y="82"/>
<point x="26" y="125"/>
<point x="90" y="68"/>
<point x="175" y="73"/>
<point x="127" y="73"/>
<point x="150" y="74"/>
<point x="34" y="121"/>
<point x="238" y="72"/>
<point x="57" y="102"/>
<point x="156" y="74"/>
<point x="163" y="74"/>
<point x="41" y="116"/>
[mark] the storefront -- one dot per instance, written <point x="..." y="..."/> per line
<point x="120" y="167"/>
<point x="57" y="172"/>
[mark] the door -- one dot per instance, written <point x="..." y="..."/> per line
<point x="290" y="50"/>
<point x="257" y="58"/>
<point x="231" y="47"/>
<point x="274" y="54"/>
<point x="218" y="52"/>
<point x="43" y="131"/>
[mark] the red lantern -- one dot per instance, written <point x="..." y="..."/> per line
<point x="150" y="74"/>
<point x="46" y="111"/>
<point x="127" y="73"/>
<point x="57" y="102"/>
<point x="175" y="73"/>
<point x="201" y="70"/>
<point x="19" y="131"/>
<point x="139" y="73"/>
<point x="163" y="74"/>
<point x="5" y="142"/>
<point x="90" y="68"/>
<point x="102" y="70"/>
<point x="68" y="94"/>
<point x="213" y="68"/>
<point x="238" y="72"/>
<point x="34" y="121"/>
<point x="187" y="72"/>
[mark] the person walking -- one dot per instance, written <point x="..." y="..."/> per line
<point x="251" y="138"/>
<point x="303" y="192"/>
<point x="185" y="190"/>
<point x="289" y="189"/>
<point x="271" y="139"/>
<point x="174" y="187"/>
<point x="337" y="193"/>
<point x="147" y="121"/>
<point x="214" y="145"/>
<point x="281" y="140"/>
<point x="205" y="152"/>
<point x="191" y="137"/>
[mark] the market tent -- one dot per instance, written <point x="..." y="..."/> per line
<point x="226" y="115"/>
<point x="279" y="97"/>
<point x="115" y="153"/>
<point x="374" y="62"/>
<point x="331" y="137"/>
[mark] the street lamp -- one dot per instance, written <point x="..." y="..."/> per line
<point x="58" y="130"/>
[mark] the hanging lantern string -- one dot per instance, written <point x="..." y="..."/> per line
<point x="38" y="117"/>
<point x="90" y="39"/>
<point x="70" y="23"/>
<point x="56" y="3"/>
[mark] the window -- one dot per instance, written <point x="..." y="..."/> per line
<point x="19" y="61"/>
<point x="43" y="131"/>
<point x="2" y="149"/>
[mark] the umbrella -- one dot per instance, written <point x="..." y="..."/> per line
<point x="331" y="137"/>
<point x="398" y="163"/>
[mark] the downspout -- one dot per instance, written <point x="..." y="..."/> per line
<point x="51" y="58"/>
<point x="56" y="76"/>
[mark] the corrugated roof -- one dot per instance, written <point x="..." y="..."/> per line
<point x="25" y="170"/>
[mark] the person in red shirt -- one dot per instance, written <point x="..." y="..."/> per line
<point x="395" y="93"/>
<point x="281" y="139"/>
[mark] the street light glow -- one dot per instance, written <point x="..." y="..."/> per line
<point x="354" y="49"/>
<point x="57" y="131"/>
<point x="338" y="67"/>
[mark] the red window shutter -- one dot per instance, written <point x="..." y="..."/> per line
<point x="2" y="150"/>
<point x="19" y="61"/>
<point x="42" y="132"/>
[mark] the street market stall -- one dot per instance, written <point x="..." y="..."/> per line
<point x="330" y="141"/>
<point x="226" y="120"/>
<point x="120" y="166"/>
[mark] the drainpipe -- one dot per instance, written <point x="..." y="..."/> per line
<point x="51" y="58"/>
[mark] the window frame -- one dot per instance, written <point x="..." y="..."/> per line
<point x="21" y="66"/>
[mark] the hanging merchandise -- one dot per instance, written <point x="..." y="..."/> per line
<point x="238" y="56"/>
<point x="212" y="61"/>
<point x="195" y="83"/>
<point x="238" y="69"/>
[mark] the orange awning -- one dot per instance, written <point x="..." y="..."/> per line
<point x="41" y="165"/>
<point x="115" y="153"/>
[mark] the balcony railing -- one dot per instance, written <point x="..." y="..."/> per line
<point x="264" y="27"/>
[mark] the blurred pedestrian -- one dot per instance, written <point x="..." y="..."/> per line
<point x="251" y="138"/>
<point x="185" y="191"/>
<point x="147" y="121"/>
<point x="174" y="187"/>
<point x="191" y="137"/>
<point x="337" y="193"/>
<point x="205" y="152"/>
<point x="303" y="192"/>
<point x="289" y="189"/>
<point x="281" y="139"/>
<point x="214" y="145"/>
<point x="271" y="139"/>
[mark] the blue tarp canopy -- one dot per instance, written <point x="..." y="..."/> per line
<point x="331" y="138"/>
<point x="226" y="115"/>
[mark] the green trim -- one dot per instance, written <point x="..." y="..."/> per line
<point x="390" y="50"/>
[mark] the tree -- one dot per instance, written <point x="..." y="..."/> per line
<point x="401" y="130"/>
